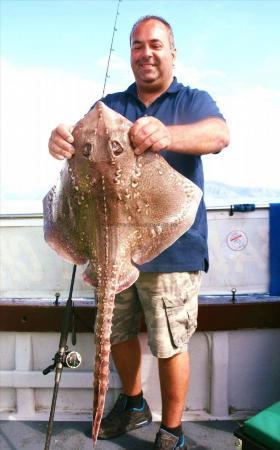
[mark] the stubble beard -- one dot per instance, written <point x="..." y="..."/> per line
<point x="150" y="82"/>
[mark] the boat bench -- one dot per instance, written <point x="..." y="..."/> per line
<point x="215" y="313"/>
<point x="262" y="431"/>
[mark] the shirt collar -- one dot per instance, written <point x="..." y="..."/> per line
<point x="173" y="88"/>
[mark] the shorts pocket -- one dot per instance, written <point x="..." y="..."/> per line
<point x="178" y="320"/>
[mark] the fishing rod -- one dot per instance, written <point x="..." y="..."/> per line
<point x="111" y="48"/>
<point x="64" y="357"/>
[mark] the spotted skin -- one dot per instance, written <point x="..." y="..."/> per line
<point x="112" y="209"/>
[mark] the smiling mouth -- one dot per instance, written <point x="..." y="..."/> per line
<point x="147" y="65"/>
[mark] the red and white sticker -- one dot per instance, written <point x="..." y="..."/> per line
<point x="237" y="240"/>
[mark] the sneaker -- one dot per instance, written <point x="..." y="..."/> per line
<point x="167" y="441"/>
<point x="120" y="420"/>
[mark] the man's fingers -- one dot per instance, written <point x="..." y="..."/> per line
<point x="65" y="132"/>
<point x="155" y="142"/>
<point x="56" y="156"/>
<point x="60" y="152"/>
<point x="59" y="143"/>
<point x="148" y="133"/>
<point x="141" y="132"/>
<point x="60" y="146"/>
<point x="142" y="143"/>
<point x="139" y="123"/>
<point x="160" y="145"/>
<point x="142" y="127"/>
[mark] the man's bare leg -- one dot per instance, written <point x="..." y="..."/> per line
<point x="174" y="383"/>
<point x="132" y="411"/>
<point x="127" y="358"/>
<point x="173" y="373"/>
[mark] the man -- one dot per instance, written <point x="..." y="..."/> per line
<point x="182" y="124"/>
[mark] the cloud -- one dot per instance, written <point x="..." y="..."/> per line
<point x="116" y="63"/>
<point x="195" y="77"/>
<point x="33" y="101"/>
<point x="252" y="113"/>
<point x="120" y="74"/>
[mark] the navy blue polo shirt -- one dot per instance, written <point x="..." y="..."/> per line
<point x="177" y="106"/>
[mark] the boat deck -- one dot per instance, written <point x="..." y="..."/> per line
<point x="210" y="435"/>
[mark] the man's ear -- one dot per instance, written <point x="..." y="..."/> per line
<point x="174" y="54"/>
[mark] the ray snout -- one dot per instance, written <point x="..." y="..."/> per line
<point x="101" y="142"/>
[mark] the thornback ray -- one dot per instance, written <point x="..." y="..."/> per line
<point x="114" y="210"/>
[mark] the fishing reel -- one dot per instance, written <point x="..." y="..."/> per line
<point x="69" y="358"/>
<point x="72" y="359"/>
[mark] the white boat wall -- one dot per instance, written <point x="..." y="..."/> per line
<point x="238" y="250"/>
<point x="235" y="371"/>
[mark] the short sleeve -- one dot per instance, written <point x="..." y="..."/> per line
<point x="202" y="106"/>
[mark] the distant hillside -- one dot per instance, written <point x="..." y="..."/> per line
<point x="217" y="194"/>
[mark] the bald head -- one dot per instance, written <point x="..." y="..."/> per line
<point x="159" y="19"/>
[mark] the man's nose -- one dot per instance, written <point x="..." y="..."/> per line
<point x="147" y="51"/>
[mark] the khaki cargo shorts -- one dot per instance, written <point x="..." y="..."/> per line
<point x="169" y="302"/>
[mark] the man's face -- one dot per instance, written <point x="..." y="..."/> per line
<point x="152" y="57"/>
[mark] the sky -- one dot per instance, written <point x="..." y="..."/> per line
<point x="53" y="61"/>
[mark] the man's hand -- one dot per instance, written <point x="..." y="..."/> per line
<point x="60" y="142"/>
<point x="149" y="133"/>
